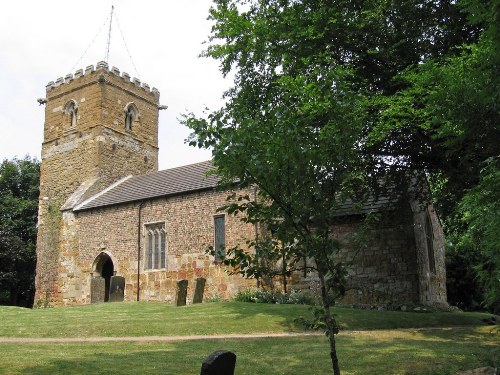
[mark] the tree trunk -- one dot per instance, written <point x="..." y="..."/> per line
<point x="330" y="324"/>
<point x="283" y="271"/>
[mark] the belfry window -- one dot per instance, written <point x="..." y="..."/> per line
<point x="131" y="116"/>
<point x="429" y="235"/>
<point x="156" y="246"/>
<point x="71" y="110"/>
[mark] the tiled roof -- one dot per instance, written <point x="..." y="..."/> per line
<point x="348" y="208"/>
<point x="188" y="178"/>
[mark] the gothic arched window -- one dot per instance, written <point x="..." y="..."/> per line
<point x="429" y="234"/>
<point x="71" y="110"/>
<point x="156" y="246"/>
<point x="131" y="116"/>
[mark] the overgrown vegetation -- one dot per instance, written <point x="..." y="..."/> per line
<point x="293" y="297"/>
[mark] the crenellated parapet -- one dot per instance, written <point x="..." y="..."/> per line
<point x="101" y="66"/>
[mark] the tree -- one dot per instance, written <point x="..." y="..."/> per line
<point x="19" y="181"/>
<point x="480" y="209"/>
<point x="447" y="115"/>
<point x="310" y="79"/>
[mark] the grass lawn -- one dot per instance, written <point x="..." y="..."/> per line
<point x="157" y="319"/>
<point x="465" y="342"/>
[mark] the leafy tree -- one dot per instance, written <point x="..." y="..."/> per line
<point x="480" y="209"/>
<point x="304" y="119"/>
<point x="19" y="181"/>
<point x="447" y="118"/>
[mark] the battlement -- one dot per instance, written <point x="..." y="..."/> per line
<point x="101" y="66"/>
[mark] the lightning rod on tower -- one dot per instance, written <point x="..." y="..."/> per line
<point x="106" y="58"/>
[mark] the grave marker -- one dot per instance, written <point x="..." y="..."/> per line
<point x="97" y="289"/>
<point x="221" y="362"/>
<point x="200" y="288"/>
<point x="181" y="292"/>
<point x="116" y="289"/>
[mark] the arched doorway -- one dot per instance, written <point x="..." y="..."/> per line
<point x="103" y="267"/>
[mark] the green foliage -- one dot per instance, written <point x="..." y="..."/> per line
<point x="269" y="296"/>
<point x="446" y="119"/>
<point x="480" y="209"/>
<point x="328" y="98"/>
<point x="19" y="180"/>
<point x="463" y="288"/>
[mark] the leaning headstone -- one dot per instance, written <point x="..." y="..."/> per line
<point x="97" y="289"/>
<point x="221" y="362"/>
<point x="198" y="291"/>
<point x="116" y="289"/>
<point x="182" y="286"/>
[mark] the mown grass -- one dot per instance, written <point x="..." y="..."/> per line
<point x="442" y="352"/>
<point x="465" y="343"/>
<point x="153" y="319"/>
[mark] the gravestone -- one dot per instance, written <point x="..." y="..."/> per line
<point x="182" y="286"/>
<point x="198" y="291"/>
<point x="116" y="289"/>
<point x="97" y="289"/>
<point x="221" y="362"/>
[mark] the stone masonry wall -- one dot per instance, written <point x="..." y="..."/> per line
<point x="190" y="229"/>
<point x="384" y="269"/>
<point x="432" y="283"/>
<point x="97" y="147"/>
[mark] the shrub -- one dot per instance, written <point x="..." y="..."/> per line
<point x="294" y="297"/>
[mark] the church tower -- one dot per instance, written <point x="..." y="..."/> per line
<point x="100" y="126"/>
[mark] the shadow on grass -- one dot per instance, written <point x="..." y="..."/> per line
<point x="442" y="352"/>
<point x="277" y="315"/>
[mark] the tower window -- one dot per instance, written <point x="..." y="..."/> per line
<point x="71" y="110"/>
<point x="131" y="115"/>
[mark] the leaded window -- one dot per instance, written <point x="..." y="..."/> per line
<point x="429" y="234"/>
<point x="220" y="237"/>
<point x="156" y="246"/>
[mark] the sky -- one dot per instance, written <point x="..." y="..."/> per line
<point x="41" y="41"/>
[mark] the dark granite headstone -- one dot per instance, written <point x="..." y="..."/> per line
<point x="97" y="289"/>
<point x="116" y="289"/>
<point x="221" y="362"/>
<point x="182" y="286"/>
<point x="198" y="291"/>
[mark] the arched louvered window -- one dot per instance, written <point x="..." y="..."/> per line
<point x="131" y="116"/>
<point x="71" y="111"/>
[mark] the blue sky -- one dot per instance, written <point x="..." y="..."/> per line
<point x="43" y="40"/>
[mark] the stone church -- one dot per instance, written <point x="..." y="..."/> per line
<point x="106" y="212"/>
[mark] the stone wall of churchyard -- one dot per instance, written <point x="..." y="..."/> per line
<point x="95" y="146"/>
<point x="189" y="223"/>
